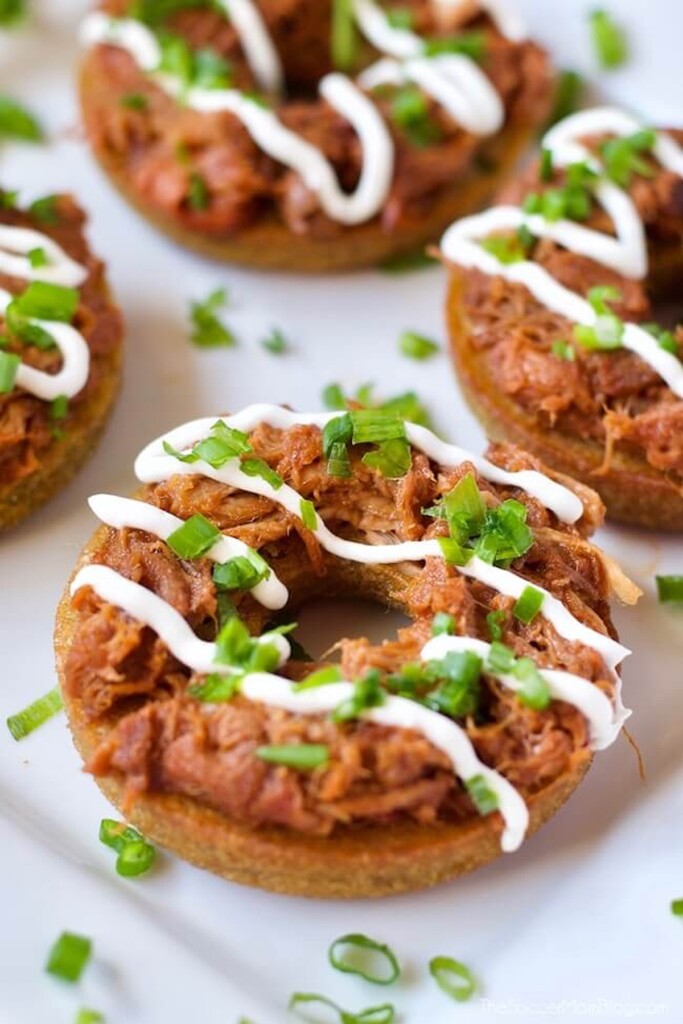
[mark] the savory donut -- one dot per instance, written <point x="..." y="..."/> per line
<point x="407" y="763"/>
<point x="550" y="308"/>
<point x="186" y="113"/>
<point x="60" y="351"/>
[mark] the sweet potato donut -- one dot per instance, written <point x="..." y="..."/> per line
<point x="185" y="111"/>
<point x="405" y="763"/>
<point x="550" y="312"/>
<point x="60" y="353"/>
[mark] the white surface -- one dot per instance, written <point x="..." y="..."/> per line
<point x="575" y="925"/>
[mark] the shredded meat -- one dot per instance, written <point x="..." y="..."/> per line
<point x="158" y="737"/>
<point x="160" y="147"/>
<point x="26" y="427"/>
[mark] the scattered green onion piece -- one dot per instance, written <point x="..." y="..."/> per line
<point x="37" y="258"/>
<point x="368" y="693"/>
<point x="384" y="1014"/>
<point x="405" y="264"/>
<point x="116" y="835"/>
<point x="338" y="461"/>
<point x="135" y="859"/>
<point x="670" y="589"/>
<point x="207" y="329"/>
<point x="504" y="534"/>
<point x="47" y="302"/>
<point x="344" y="41"/>
<point x="528" y="605"/>
<point x="443" y="623"/>
<point x="495" y="621"/>
<point x="665" y="339"/>
<point x="275" y="342"/>
<point x="211" y="71"/>
<point x="46" y="210"/>
<point x="567" y="96"/>
<point x="562" y="349"/>
<point x="333" y="397"/>
<point x="458" y="696"/>
<point x="677" y="908"/>
<point x="416" y="346"/>
<point x="410" y="110"/>
<point x="134" y="101"/>
<point x="309" y="515"/>
<point x="301" y="756"/>
<point x="11" y="11"/>
<point x="194" y="538"/>
<point x="609" y="40"/>
<point x="392" y="458"/>
<point x="9" y="366"/>
<point x="177" y="59"/>
<point x="400" y="17"/>
<point x="500" y="659"/>
<point x="546" y="165"/>
<point x="453" y="978"/>
<point x="337" y="434"/>
<point x="198" y="197"/>
<point x="375" y="425"/>
<point x="321" y="677"/>
<point x="16" y="122"/>
<point x="360" y="957"/>
<point x="8" y="199"/>
<point x="87" y="1016"/>
<point x="216" y="688"/>
<point x="68" y="957"/>
<point x="505" y="248"/>
<point x="481" y="794"/>
<point x="469" y="44"/>
<point x="236" y="647"/>
<point x="622" y="157"/>
<point x="259" y="467"/>
<point x="605" y="336"/>
<point x="534" y="691"/>
<point x="465" y="509"/>
<point x="244" y="572"/>
<point x="59" y="407"/>
<point x="40" y="711"/>
<point x="453" y="552"/>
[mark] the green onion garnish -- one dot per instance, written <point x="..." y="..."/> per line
<point x="8" y="199"/>
<point x="443" y="623"/>
<point x="368" y="693"/>
<point x="571" y="201"/>
<point x="374" y="425"/>
<point x="47" y="302"/>
<point x="665" y="339"/>
<point x="211" y="71"/>
<point x="545" y="171"/>
<point x="405" y="264"/>
<point x="321" y="677"/>
<point x="302" y="756"/>
<point x="11" y="11"/>
<point x="275" y="342"/>
<point x="453" y="978"/>
<point x="453" y="552"/>
<point x="359" y="954"/>
<point x="677" y="908"/>
<point x="669" y="589"/>
<point x="623" y="158"/>
<point x="244" y="572"/>
<point x="344" y="42"/>
<point x="504" y="534"/>
<point x="400" y="17"/>
<point x="87" y="1016"/>
<point x="528" y="605"/>
<point x="59" y="407"/>
<point x="135" y="854"/>
<point x="609" y="40"/>
<point x="505" y="248"/>
<point x="495" y="621"/>
<point x="567" y="97"/>
<point x="194" y="538"/>
<point x="563" y="350"/>
<point x="534" y="691"/>
<point x="236" y="647"/>
<point x="134" y="101"/>
<point x="410" y="110"/>
<point x="24" y="722"/>
<point x="198" y="196"/>
<point x="416" y="346"/>
<point x="309" y="516"/>
<point x="470" y="44"/>
<point x="207" y="329"/>
<point x="46" y="210"/>
<point x="458" y="696"/>
<point x="259" y="467"/>
<point x="384" y="1014"/>
<point x="69" y="956"/>
<point x="608" y="330"/>
<point x="337" y="434"/>
<point x="224" y="443"/>
<point x="37" y="258"/>
<point x="481" y="794"/>
<point x="500" y="659"/>
<point x="16" y="122"/>
<point x="333" y="397"/>
<point x="391" y="458"/>
<point x="9" y="366"/>
<point x="216" y="688"/>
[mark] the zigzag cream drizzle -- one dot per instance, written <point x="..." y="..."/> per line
<point x="626" y="253"/>
<point x="453" y="80"/>
<point x="155" y="465"/>
<point x="15" y="244"/>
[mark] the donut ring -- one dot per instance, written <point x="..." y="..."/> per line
<point x="60" y="372"/>
<point x="613" y="419"/>
<point x="372" y="170"/>
<point x="384" y="808"/>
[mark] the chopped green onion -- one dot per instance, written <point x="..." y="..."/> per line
<point x="47" y="302"/>
<point x="609" y="40"/>
<point x="37" y="258"/>
<point x="563" y="350"/>
<point x="59" y="407"/>
<point x="453" y="552"/>
<point x="528" y="605"/>
<point x="500" y="659"/>
<point x="135" y="858"/>
<point x="469" y="44"/>
<point x="605" y="336"/>
<point x="333" y="397"/>
<point x="69" y="956"/>
<point x="259" y="467"/>
<point x="8" y="200"/>
<point x="464" y="509"/>
<point x="368" y="693"/>
<point x="16" y="122"/>
<point x="207" y="329"/>
<point x="275" y="342"/>
<point x="344" y="42"/>
<point x="495" y="621"/>
<point x="405" y="264"/>
<point x="572" y="201"/>
<point x="677" y="908"/>
<point x="194" y="538"/>
<point x="337" y="434"/>
<point x="11" y="11"/>
<point x="400" y="17"/>
<point x="504" y="534"/>
<point x="358" y="954"/>
<point x="567" y="96"/>
<point x="391" y="458"/>
<point x="198" y="197"/>
<point x="416" y="346"/>
<point x="236" y="647"/>
<point x="46" y="210"/>
<point x="9" y="366"/>
<point x="224" y="443"/>
<point x="309" y="515"/>
<point x="453" y="978"/>
<point x="134" y="101"/>
<point x="302" y="756"/>
<point x="116" y="835"/>
<point x="458" y="695"/>
<point x="665" y="339"/>
<point x="545" y="172"/>
<point x="384" y="1014"/>
<point x="24" y="722"/>
<point x="534" y="691"/>
<point x="211" y="71"/>
<point x="374" y="425"/>
<point x="505" y="248"/>
<point x="87" y="1016"/>
<point x="669" y="589"/>
<point x="321" y="677"/>
<point x="481" y="794"/>
<point x="622" y="157"/>
<point x="443" y="623"/>
<point x="244" y="572"/>
<point x="410" y="110"/>
<point x="216" y="688"/>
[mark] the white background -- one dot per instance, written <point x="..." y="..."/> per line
<point x="575" y="925"/>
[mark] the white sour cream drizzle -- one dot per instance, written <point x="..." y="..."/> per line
<point x="16" y="243"/>
<point x="154" y="465"/>
<point x="627" y="253"/>
<point x="453" y="80"/>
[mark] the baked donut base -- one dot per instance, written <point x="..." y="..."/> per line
<point x="63" y="459"/>
<point x="633" y="491"/>
<point x="270" y="245"/>
<point x="353" y="863"/>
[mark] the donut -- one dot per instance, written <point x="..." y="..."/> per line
<point x="552" y="312"/>
<point x="187" y="114"/>
<point x="60" y="351"/>
<point x="403" y="764"/>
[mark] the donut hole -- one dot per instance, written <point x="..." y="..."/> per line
<point x="322" y="622"/>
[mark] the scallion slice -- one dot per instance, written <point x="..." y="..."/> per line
<point x="9" y="365"/>
<point x="87" y="1016"/>
<point x="368" y="693"/>
<point x="375" y="425"/>
<point x="309" y="516"/>
<point x="59" y="408"/>
<point x="46" y="210"/>
<point x="443" y="623"/>
<point x="275" y="342"/>
<point x="344" y="42"/>
<point x="453" y="978"/>
<point x="207" y="329"/>
<point x="24" y="722"/>
<point x="69" y="956"/>
<point x="669" y="589"/>
<point x="244" y="572"/>
<point x="16" y="122"/>
<point x="194" y="538"/>
<point x="198" y="196"/>
<point x="392" y="458"/>
<point x="677" y="908"/>
<point x="259" y="467"/>
<point x="609" y="40"/>
<point x="333" y="397"/>
<point x="11" y="11"/>
<point x="495" y="621"/>
<point x="534" y="691"/>
<point x="481" y="794"/>
<point x="135" y="859"/>
<point x="301" y="756"/>
<point x="358" y="954"/>
<point x="47" y="302"/>
<point x="416" y="346"/>
<point x="321" y="677"/>
<point x="37" y="258"/>
<point x="216" y="688"/>
<point x="384" y="1014"/>
<point x="528" y="605"/>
